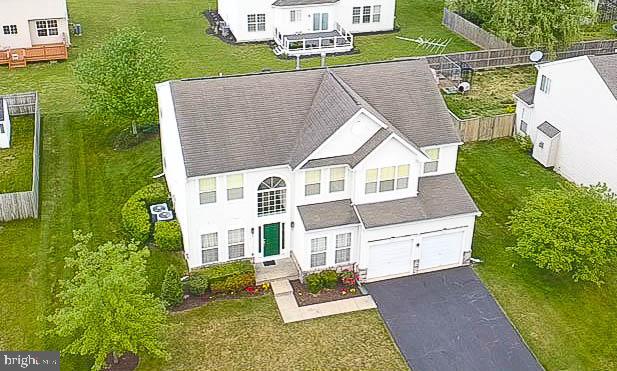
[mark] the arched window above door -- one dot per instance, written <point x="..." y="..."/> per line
<point x="271" y="196"/>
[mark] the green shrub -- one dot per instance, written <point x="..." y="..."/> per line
<point x="524" y="142"/>
<point x="313" y="283"/>
<point x="167" y="235"/>
<point x="329" y="279"/>
<point x="234" y="283"/>
<point x="197" y="284"/>
<point x="135" y="213"/>
<point x="171" y="289"/>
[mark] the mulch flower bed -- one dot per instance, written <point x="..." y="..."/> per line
<point x="193" y="301"/>
<point x="304" y="297"/>
<point x="127" y="362"/>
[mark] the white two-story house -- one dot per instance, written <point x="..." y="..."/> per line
<point x="332" y="167"/>
<point x="571" y="117"/>
<point x="33" y="30"/>
<point x="302" y="27"/>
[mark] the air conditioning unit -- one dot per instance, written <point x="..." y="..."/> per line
<point x="155" y="209"/>
<point x="165" y="216"/>
<point x="161" y="212"/>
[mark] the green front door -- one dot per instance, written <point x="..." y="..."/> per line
<point x="272" y="239"/>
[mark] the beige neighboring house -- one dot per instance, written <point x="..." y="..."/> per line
<point x="33" y="30"/>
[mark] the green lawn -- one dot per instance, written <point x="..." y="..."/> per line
<point x="568" y="325"/>
<point x="248" y="334"/>
<point x="491" y="92"/>
<point x="16" y="161"/>
<point x="599" y="31"/>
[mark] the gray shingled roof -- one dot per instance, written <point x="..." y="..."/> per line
<point x="1" y="109"/>
<point x="327" y="215"/>
<point x="527" y="95"/>
<point x="606" y="65"/>
<point x="243" y="122"/>
<point x="353" y="159"/>
<point x="302" y="2"/>
<point x="438" y="196"/>
<point x="548" y="129"/>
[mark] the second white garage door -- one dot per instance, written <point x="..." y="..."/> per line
<point x="441" y="250"/>
<point x="389" y="259"/>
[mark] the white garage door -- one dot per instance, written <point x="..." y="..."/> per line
<point x="440" y="250"/>
<point x="389" y="259"/>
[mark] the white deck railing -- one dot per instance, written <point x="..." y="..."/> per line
<point x="344" y="41"/>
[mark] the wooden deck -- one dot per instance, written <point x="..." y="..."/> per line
<point x="16" y="58"/>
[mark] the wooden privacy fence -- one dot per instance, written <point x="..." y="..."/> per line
<point x="485" y="128"/>
<point x="22" y="205"/>
<point x="472" y="32"/>
<point x="607" y="11"/>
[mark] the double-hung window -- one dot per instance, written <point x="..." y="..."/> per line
<point x="376" y="13"/>
<point x="48" y="27"/>
<point x="235" y="242"/>
<point x="318" y="251"/>
<point x="386" y="178"/>
<point x="295" y="15"/>
<point x="337" y="179"/>
<point x="371" y="181"/>
<point x="342" y="252"/>
<point x="207" y="190"/>
<point x="312" y="182"/>
<point x="256" y="22"/>
<point x="523" y="126"/>
<point x="9" y="29"/>
<point x="433" y="165"/>
<point x="545" y="85"/>
<point x="235" y="187"/>
<point x="209" y="248"/>
<point x="366" y="14"/>
<point x="355" y="18"/>
<point x="402" y="177"/>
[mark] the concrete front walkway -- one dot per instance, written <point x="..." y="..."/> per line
<point x="291" y="312"/>
<point x="282" y="269"/>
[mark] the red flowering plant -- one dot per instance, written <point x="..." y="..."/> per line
<point x="348" y="278"/>
<point x="251" y="290"/>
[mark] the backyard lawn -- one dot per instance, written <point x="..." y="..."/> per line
<point x="568" y="325"/>
<point x="491" y="92"/>
<point x="16" y="161"/>
<point x="248" y="334"/>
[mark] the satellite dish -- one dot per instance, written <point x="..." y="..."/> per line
<point x="536" y="56"/>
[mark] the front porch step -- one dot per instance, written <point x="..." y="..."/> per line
<point x="264" y="279"/>
<point x="278" y="50"/>
<point x="283" y="269"/>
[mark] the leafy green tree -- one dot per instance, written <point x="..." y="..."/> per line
<point x="569" y="230"/>
<point x="118" y="77"/>
<point x="536" y="23"/>
<point x="171" y="289"/>
<point x="105" y="309"/>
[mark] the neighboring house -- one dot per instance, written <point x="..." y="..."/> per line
<point x="302" y="27"/>
<point x="571" y="117"/>
<point x="33" y="30"/>
<point x="5" y="125"/>
<point x="335" y="167"/>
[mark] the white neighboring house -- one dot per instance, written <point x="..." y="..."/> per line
<point x="5" y="125"/>
<point x="28" y="25"/>
<point x="571" y="117"/>
<point x="339" y="167"/>
<point x="302" y="27"/>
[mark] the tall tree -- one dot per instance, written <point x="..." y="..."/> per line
<point x="536" y="23"/>
<point x="106" y="309"/>
<point x="118" y="77"/>
<point x="569" y="230"/>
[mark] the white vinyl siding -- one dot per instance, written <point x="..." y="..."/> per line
<point x="207" y="190"/>
<point x="209" y="248"/>
<point x="318" y="251"/>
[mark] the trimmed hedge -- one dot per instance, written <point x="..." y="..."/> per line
<point x="135" y="213"/>
<point x="167" y="235"/>
<point x="171" y="289"/>
<point x="326" y="279"/>
<point x="228" y="277"/>
<point x="197" y="285"/>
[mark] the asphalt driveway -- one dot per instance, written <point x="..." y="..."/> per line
<point x="447" y="320"/>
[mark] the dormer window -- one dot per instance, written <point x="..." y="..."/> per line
<point x="337" y="179"/>
<point x="387" y="179"/>
<point x="312" y="182"/>
<point x="433" y="165"/>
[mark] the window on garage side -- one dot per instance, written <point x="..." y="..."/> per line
<point x="371" y="181"/>
<point x="318" y="251"/>
<point x="207" y="190"/>
<point x="355" y="19"/>
<point x="48" y="27"/>
<point x="312" y="182"/>
<point x="209" y="248"/>
<point x="433" y="165"/>
<point x="235" y="241"/>
<point x="337" y="179"/>
<point x="342" y="253"/>
<point x="386" y="178"/>
<point x="235" y="187"/>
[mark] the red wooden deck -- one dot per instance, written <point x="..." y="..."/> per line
<point x="20" y="57"/>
